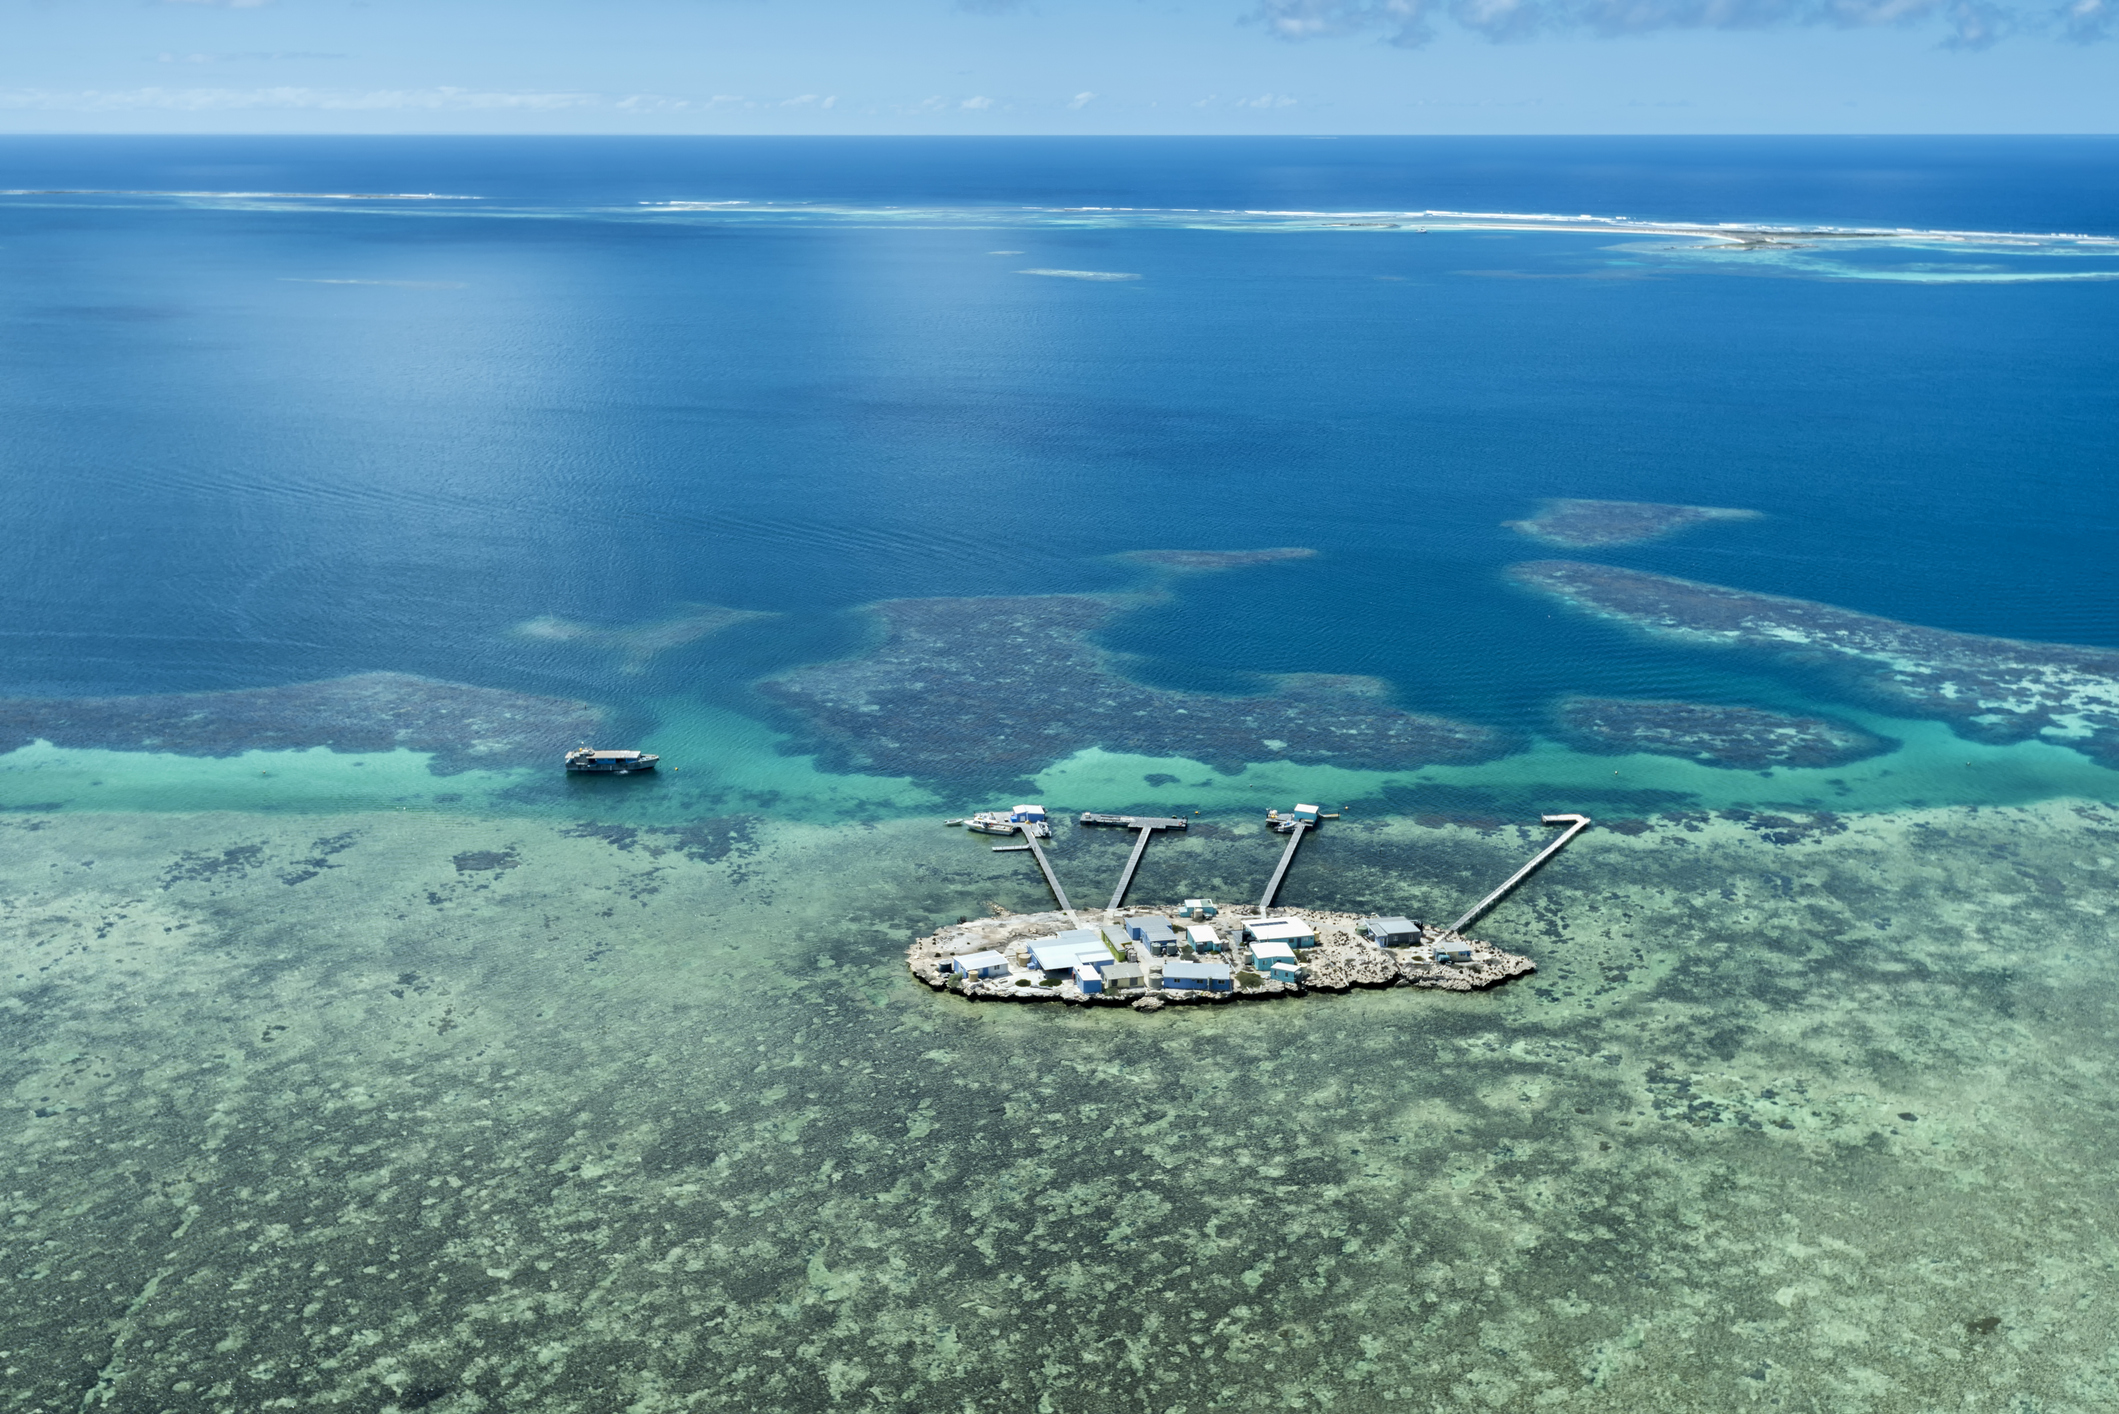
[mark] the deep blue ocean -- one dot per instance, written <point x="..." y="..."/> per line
<point x="258" y="433"/>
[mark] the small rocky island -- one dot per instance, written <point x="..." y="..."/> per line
<point x="997" y="959"/>
<point x="1582" y="525"/>
<point x="1740" y="738"/>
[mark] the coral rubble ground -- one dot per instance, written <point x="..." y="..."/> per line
<point x="1007" y="686"/>
<point x="1584" y="525"/>
<point x="394" y="1112"/>
<point x="1988" y="689"/>
<point x="1715" y="735"/>
<point x="463" y="726"/>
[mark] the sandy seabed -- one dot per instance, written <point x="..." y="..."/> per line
<point x="379" y="1112"/>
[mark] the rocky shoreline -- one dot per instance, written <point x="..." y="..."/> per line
<point x="1341" y="961"/>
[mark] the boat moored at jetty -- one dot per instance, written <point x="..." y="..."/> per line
<point x="616" y="763"/>
<point x="1026" y="819"/>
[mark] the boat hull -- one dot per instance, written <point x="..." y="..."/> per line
<point x="613" y="768"/>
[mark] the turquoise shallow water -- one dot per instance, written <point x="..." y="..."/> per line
<point x="359" y="1059"/>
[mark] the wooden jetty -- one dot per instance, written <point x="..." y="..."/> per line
<point x="1576" y="824"/>
<point x="1051" y="879"/>
<point x="1287" y="857"/>
<point x="1147" y="825"/>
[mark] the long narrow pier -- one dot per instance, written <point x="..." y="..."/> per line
<point x="1287" y="857"/>
<point x="1576" y="824"/>
<point x="1051" y="879"/>
<point x="1146" y="825"/>
<point x="1125" y="880"/>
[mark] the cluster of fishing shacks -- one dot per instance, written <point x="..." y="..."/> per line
<point x="1196" y="954"/>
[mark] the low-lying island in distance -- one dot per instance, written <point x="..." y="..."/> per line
<point x="1199" y="952"/>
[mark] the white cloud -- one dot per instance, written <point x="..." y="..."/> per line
<point x="1080" y="100"/>
<point x="1970" y="24"/>
<point x="2087" y="20"/>
<point x="979" y="102"/>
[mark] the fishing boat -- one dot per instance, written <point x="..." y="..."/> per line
<point x="616" y="763"/>
<point x="1026" y="819"/>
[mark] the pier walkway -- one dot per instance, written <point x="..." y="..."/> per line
<point x="1287" y="857"/>
<point x="1051" y="879"/>
<point x="1147" y="825"/>
<point x="1576" y="824"/>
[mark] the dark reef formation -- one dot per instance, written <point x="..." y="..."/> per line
<point x="1011" y="685"/>
<point x="1997" y="690"/>
<point x="465" y="727"/>
<point x="1584" y="524"/>
<point x="1210" y="561"/>
<point x="1738" y="737"/>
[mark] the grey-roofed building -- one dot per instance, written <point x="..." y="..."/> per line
<point x="1121" y="975"/>
<point x="1390" y="932"/>
<point x="1062" y="953"/>
<point x="1453" y="950"/>
<point x="1197" y="976"/>
<point x="1154" y="930"/>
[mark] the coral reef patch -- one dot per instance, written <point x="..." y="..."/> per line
<point x="1011" y="685"/>
<point x="1998" y="690"/>
<point x="1211" y="561"/>
<point x="463" y="726"/>
<point x="1745" y="738"/>
<point x="1585" y="524"/>
<point x="609" y="1131"/>
<point x="637" y="644"/>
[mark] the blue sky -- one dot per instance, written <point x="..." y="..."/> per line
<point x="1060" y="66"/>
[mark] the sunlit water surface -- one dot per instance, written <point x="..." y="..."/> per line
<point x="407" y="1078"/>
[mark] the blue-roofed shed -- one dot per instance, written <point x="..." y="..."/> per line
<point x="1197" y="976"/>
<point x="1154" y="930"/>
